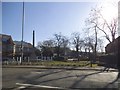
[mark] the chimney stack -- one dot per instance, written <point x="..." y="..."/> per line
<point x="33" y="38"/>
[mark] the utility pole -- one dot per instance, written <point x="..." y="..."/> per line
<point x="22" y="35"/>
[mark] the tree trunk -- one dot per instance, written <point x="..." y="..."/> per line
<point x="95" y="53"/>
<point x="77" y="50"/>
<point x="58" y="51"/>
<point x="90" y="58"/>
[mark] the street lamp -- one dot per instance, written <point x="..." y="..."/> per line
<point x="22" y="35"/>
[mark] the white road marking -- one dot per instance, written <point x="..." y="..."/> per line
<point x="39" y="86"/>
<point x="21" y="87"/>
<point x="37" y="72"/>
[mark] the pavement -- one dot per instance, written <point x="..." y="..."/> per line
<point x="58" y="78"/>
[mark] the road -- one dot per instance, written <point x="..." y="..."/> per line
<point x="21" y="78"/>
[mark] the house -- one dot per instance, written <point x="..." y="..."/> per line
<point x="7" y="46"/>
<point x="29" y="52"/>
<point x="112" y="53"/>
<point x="11" y="50"/>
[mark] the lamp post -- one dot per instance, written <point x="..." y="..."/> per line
<point x="22" y="35"/>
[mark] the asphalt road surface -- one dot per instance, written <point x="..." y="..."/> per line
<point x="56" y="79"/>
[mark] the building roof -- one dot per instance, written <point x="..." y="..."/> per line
<point x="113" y="46"/>
<point x="25" y="44"/>
<point x="116" y="41"/>
<point x="6" y="39"/>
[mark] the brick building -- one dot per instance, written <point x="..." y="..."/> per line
<point x="7" y="46"/>
<point x="11" y="50"/>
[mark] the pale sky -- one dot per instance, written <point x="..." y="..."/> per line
<point x="47" y="18"/>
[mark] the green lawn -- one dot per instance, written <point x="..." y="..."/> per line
<point x="58" y="63"/>
<point x="62" y="63"/>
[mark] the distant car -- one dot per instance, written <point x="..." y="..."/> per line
<point x="72" y="59"/>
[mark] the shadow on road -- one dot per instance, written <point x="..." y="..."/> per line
<point x="84" y="76"/>
<point x="113" y="82"/>
<point x="33" y="80"/>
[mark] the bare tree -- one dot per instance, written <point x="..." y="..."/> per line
<point x="39" y="44"/>
<point x="98" y="23"/>
<point x="77" y="42"/>
<point x="103" y="25"/>
<point x="65" y="42"/>
<point x="48" y="43"/>
<point x="46" y="47"/>
<point x="89" y="44"/>
<point x="60" y="41"/>
<point x="92" y="22"/>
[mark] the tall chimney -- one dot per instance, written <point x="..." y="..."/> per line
<point x="33" y="38"/>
